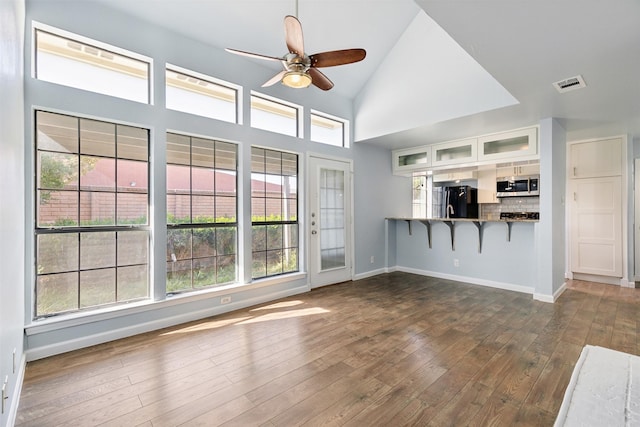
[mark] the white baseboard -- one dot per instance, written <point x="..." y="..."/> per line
<point x="600" y="279"/>
<point x="111" y="335"/>
<point x="13" y="410"/>
<point x="471" y="280"/>
<point x="371" y="273"/>
<point x="551" y="298"/>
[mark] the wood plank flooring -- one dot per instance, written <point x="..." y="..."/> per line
<point x="395" y="349"/>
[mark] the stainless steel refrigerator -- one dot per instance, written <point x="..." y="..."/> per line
<point x="458" y="202"/>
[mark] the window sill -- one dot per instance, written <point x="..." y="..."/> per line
<point x="75" y="319"/>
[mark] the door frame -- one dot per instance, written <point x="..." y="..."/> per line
<point x="307" y="229"/>
<point x="627" y="193"/>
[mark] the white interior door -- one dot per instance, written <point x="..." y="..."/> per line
<point x="330" y="222"/>
<point x="596" y="226"/>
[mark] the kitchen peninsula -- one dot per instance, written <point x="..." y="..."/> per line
<point x="487" y="252"/>
<point x="524" y="255"/>
<point x="479" y="223"/>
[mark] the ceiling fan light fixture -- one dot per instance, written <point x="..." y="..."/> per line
<point x="296" y="79"/>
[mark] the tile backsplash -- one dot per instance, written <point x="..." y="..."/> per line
<point x="509" y="204"/>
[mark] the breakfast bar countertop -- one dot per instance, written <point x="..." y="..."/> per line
<point x="465" y="219"/>
<point x="451" y="223"/>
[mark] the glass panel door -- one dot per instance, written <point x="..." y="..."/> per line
<point x="329" y="221"/>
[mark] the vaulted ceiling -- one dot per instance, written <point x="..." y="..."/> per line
<point x="444" y="69"/>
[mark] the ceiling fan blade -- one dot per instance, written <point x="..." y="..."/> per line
<point x="337" y="57"/>
<point x="253" y="55"/>
<point x="293" y="35"/>
<point x="275" y="79"/>
<point x="320" y="80"/>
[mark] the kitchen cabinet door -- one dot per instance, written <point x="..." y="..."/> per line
<point x="520" y="170"/>
<point x="454" y="152"/>
<point x="516" y="144"/>
<point x="411" y="159"/>
<point x="487" y="185"/>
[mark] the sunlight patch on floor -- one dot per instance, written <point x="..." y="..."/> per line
<point x="207" y="325"/>
<point x="285" y="315"/>
<point x="282" y="304"/>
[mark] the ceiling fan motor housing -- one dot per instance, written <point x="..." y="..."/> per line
<point x="294" y="62"/>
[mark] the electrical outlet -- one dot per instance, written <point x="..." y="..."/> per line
<point x="372" y="259"/>
<point x="225" y="300"/>
<point x="456" y="262"/>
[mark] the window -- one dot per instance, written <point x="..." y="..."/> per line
<point x="274" y="212"/>
<point x="92" y="235"/>
<point x="275" y="115"/>
<point x="71" y="60"/>
<point x="419" y="196"/>
<point x="328" y="130"/>
<point x="202" y="95"/>
<point x="201" y="213"/>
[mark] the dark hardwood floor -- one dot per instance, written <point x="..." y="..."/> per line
<point x="392" y="350"/>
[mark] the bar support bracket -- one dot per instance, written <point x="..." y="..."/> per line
<point x="427" y="224"/>
<point x="452" y="228"/>
<point x="479" y="225"/>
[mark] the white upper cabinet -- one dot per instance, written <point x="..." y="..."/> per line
<point x="457" y="175"/>
<point x="487" y="184"/>
<point x="454" y="152"/>
<point x="411" y="159"/>
<point x="596" y="158"/>
<point x="522" y="143"/>
<point x="518" y="170"/>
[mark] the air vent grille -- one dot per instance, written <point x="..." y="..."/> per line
<point x="572" y="83"/>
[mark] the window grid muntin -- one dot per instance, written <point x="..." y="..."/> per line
<point x="79" y="229"/>
<point x="262" y="252"/>
<point x="78" y="188"/>
<point x="191" y="226"/>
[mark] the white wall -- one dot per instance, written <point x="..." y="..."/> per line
<point x="502" y="264"/>
<point x="12" y="226"/>
<point x="551" y="237"/>
<point x="400" y="94"/>
<point x="377" y="195"/>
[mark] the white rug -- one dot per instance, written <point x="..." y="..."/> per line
<point x="604" y="390"/>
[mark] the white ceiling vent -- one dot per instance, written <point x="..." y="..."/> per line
<point x="569" y="84"/>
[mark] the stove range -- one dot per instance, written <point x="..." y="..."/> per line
<point x="519" y="215"/>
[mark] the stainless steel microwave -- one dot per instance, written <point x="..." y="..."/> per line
<point x="518" y="186"/>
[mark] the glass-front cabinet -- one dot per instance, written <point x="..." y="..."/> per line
<point x="520" y="143"/>
<point x="454" y="152"/>
<point x="411" y="159"/>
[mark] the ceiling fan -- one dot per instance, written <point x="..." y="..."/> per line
<point x="300" y="69"/>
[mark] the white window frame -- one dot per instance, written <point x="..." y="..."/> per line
<point x="211" y="225"/>
<point x="213" y="80"/>
<point x="38" y="26"/>
<point x="299" y="112"/>
<point x="39" y="230"/>
<point x="346" y="142"/>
